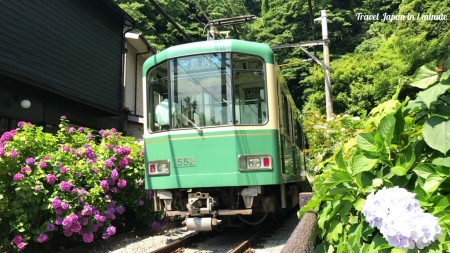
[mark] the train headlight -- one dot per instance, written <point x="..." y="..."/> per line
<point x="158" y="168"/>
<point x="255" y="162"/>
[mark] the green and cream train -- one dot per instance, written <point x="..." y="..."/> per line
<point x="223" y="140"/>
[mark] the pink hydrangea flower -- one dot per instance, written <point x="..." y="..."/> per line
<point x="65" y="186"/>
<point x="88" y="237"/>
<point x="18" y="177"/>
<point x="51" y="179"/>
<point x="42" y="165"/>
<point x="42" y="238"/>
<point x="122" y="183"/>
<point x="13" y="154"/>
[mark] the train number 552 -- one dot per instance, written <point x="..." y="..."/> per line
<point x="186" y="162"/>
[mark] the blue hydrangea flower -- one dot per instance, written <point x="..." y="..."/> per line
<point x="400" y="219"/>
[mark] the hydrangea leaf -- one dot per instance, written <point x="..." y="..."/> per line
<point x="442" y="161"/>
<point x="365" y="141"/>
<point x="333" y="233"/>
<point x="424" y="77"/>
<point x="340" y="160"/>
<point x="431" y="94"/>
<point x="436" y="133"/>
<point x="355" y="237"/>
<point x="363" y="163"/>
<point x="399" y="170"/>
<point x="386" y="129"/>
<point x="424" y="170"/>
<point x="432" y="183"/>
<point x="338" y="177"/>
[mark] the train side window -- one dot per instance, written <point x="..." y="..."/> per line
<point x="157" y="92"/>
<point x="287" y="116"/>
<point x="250" y="90"/>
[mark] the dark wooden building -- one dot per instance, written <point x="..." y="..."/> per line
<point x="62" y="57"/>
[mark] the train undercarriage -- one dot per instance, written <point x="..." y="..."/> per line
<point x="205" y="209"/>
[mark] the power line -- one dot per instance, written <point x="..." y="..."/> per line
<point x="201" y="10"/>
<point x="169" y="18"/>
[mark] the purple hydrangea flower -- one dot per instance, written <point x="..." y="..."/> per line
<point x="56" y="203"/>
<point x="2" y="151"/>
<point x="25" y="169"/>
<point x="51" y="227"/>
<point x="114" y="174"/>
<point x="156" y="225"/>
<point x="6" y="136"/>
<point x="51" y="179"/>
<point x="83" y="192"/>
<point x="110" y="231"/>
<point x="18" y="177"/>
<point x="17" y="239"/>
<point x="63" y="170"/>
<point x="37" y="187"/>
<point x="65" y="206"/>
<point x="108" y="163"/>
<point x="13" y="154"/>
<point x="122" y="183"/>
<point x="42" y="165"/>
<point x="88" y="237"/>
<point x="87" y="210"/>
<point x="104" y="185"/>
<point x="42" y="238"/>
<point x="124" y="162"/>
<point x="30" y="161"/>
<point x="65" y="186"/>
<point x="120" y="209"/>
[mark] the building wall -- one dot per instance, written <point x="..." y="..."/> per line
<point x="65" y="55"/>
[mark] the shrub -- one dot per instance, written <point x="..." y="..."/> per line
<point x="326" y="136"/>
<point x="405" y="145"/>
<point x="75" y="183"/>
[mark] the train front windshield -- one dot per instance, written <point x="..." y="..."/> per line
<point x="206" y="90"/>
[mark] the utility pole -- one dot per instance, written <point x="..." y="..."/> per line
<point x="326" y="61"/>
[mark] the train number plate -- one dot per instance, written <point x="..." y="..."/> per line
<point x="186" y="162"/>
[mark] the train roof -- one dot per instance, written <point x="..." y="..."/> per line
<point x="226" y="45"/>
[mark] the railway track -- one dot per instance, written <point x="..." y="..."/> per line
<point x="265" y="238"/>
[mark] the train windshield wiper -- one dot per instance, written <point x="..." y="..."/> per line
<point x="190" y="121"/>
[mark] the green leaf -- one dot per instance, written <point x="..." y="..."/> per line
<point x="432" y="183"/>
<point x="445" y="75"/>
<point x="431" y="94"/>
<point x="386" y="129"/>
<point x="436" y="133"/>
<point x="334" y="231"/>
<point x="424" y="77"/>
<point x="338" y="177"/>
<point x="355" y="237"/>
<point x="340" y="160"/>
<point x="399" y="170"/>
<point x="424" y="170"/>
<point x="365" y="141"/>
<point x="442" y="161"/>
<point x="359" y="204"/>
<point x="363" y="163"/>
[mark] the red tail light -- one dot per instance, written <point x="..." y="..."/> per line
<point x="152" y="168"/>
<point x="266" y="162"/>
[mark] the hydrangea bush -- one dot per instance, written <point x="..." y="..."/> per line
<point x="74" y="183"/>
<point x="388" y="189"/>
